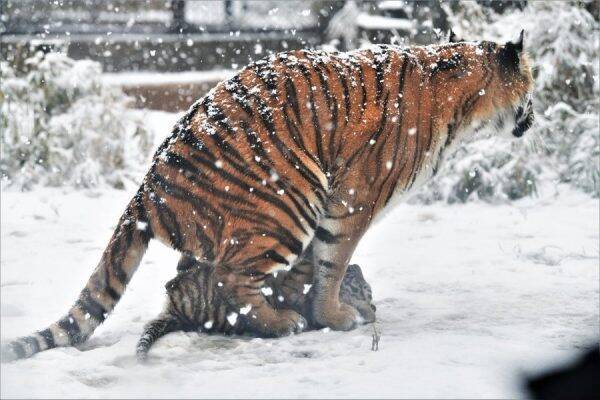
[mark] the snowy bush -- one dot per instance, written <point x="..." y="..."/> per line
<point x="61" y="126"/>
<point x="487" y="170"/>
<point x="562" y="41"/>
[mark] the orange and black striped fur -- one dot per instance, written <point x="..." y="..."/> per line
<point x="195" y="301"/>
<point x="290" y="161"/>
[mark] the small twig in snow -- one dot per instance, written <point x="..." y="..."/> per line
<point x="376" y="337"/>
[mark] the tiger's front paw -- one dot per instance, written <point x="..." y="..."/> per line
<point x="339" y="317"/>
<point x="283" y="323"/>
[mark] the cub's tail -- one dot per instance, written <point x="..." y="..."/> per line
<point x="102" y="291"/>
<point x="154" y="331"/>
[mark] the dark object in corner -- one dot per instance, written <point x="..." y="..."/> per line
<point x="578" y="380"/>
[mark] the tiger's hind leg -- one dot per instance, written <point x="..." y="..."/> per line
<point x="154" y="330"/>
<point x="244" y="292"/>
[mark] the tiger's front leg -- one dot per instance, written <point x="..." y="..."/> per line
<point x="332" y="249"/>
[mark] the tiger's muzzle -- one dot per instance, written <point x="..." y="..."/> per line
<point x="523" y="119"/>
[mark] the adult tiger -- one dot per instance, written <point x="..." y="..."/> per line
<point x="289" y="162"/>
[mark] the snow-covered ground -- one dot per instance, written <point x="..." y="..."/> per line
<point x="469" y="298"/>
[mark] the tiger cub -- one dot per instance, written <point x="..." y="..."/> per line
<point x="195" y="302"/>
<point x="290" y="161"/>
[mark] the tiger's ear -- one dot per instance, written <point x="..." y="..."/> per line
<point x="452" y="38"/>
<point x="510" y="53"/>
<point x="517" y="45"/>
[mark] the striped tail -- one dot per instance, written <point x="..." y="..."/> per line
<point x="102" y="291"/>
<point x="154" y="331"/>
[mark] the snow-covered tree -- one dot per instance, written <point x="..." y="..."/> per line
<point x="62" y="126"/>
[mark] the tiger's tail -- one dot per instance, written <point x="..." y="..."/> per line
<point x="102" y="292"/>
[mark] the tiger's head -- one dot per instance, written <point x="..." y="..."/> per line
<point x="482" y="85"/>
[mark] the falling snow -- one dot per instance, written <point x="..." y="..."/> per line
<point x="475" y="295"/>
<point x="232" y="318"/>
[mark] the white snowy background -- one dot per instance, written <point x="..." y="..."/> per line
<point x="471" y="296"/>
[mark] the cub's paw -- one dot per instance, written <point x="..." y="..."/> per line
<point x="356" y="292"/>
<point x="367" y="312"/>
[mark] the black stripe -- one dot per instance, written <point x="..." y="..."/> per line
<point x="216" y="115"/>
<point x="70" y="326"/>
<point x="239" y="93"/>
<point x="88" y="305"/>
<point x="48" y="337"/>
<point x="361" y="76"/>
<point x="117" y="260"/>
<point x="295" y="134"/>
<point x="187" y="136"/>
<point x="293" y="244"/>
<point x="142" y="216"/>
<point x="315" y="118"/>
<point x="333" y="111"/>
<point x="324" y="86"/>
<point x="446" y="64"/>
<point x="111" y="292"/>
<point x="292" y="98"/>
<point x="379" y="72"/>
<point x="326" y="236"/>
<point x="298" y="194"/>
<point x="339" y="73"/>
<point x="405" y="65"/>
<point x="269" y="254"/>
<point x="206" y="244"/>
<point x="523" y="125"/>
<point x="167" y="218"/>
<point x="33" y="344"/>
<point x="326" y="264"/>
<point x="264" y="70"/>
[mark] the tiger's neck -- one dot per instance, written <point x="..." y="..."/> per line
<point x="397" y="143"/>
